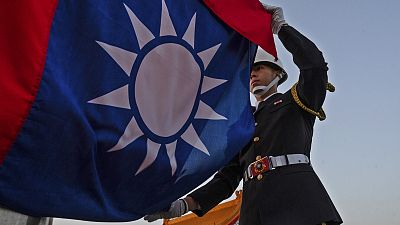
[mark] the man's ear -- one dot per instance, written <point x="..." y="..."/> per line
<point x="276" y="73"/>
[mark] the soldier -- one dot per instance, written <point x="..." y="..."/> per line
<point x="280" y="186"/>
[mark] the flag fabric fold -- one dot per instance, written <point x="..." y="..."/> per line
<point x="249" y="18"/>
<point x="114" y="109"/>
<point x="23" y="45"/>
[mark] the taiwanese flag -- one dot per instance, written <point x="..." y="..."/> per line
<point x="111" y="110"/>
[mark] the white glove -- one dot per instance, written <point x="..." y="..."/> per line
<point x="277" y="17"/>
<point x="177" y="209"/>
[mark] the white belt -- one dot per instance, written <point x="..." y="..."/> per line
<point x="284" y="160"/>
<point x="274" y="162"/>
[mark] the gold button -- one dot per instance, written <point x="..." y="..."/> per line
<point x="258" y="157"/>
<point x="256" y="139"/>
<point x="259" y="176"/>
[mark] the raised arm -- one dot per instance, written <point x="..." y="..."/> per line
<point x="313" y="79"/>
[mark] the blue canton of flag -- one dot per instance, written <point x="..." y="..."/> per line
<point x="139" y="103"/>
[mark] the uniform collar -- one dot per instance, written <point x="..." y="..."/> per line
<point x="265" y="99"/>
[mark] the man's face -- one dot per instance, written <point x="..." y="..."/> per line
<point x="261" y="75"/>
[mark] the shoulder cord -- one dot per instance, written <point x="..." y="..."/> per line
<point x="320" y="114"/>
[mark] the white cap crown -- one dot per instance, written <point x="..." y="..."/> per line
<point x="262" y="55"/>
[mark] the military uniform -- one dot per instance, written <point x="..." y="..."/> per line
<point x="290" y="194"/>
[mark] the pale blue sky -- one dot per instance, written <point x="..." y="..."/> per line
<point x="356" y="150"/>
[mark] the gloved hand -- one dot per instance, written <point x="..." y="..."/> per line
<point x="277" y="17"/>
<point x="177" y="209"/>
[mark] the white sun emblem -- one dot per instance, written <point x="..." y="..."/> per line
<point x="166" y="85"/>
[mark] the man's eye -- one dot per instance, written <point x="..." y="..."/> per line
<point x="256" y="68"/>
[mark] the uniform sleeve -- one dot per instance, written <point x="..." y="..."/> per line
<point x="219" y="188"/>
<point x="313" y="78"/>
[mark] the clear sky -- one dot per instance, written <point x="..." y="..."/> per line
<point x="356" y="150"/>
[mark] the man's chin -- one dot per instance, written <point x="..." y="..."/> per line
<point x="254" y="87"/>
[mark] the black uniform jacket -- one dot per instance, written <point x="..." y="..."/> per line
<point x="288" y="195"/>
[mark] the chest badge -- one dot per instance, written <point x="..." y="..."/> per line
<point x="278" y="102"/>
